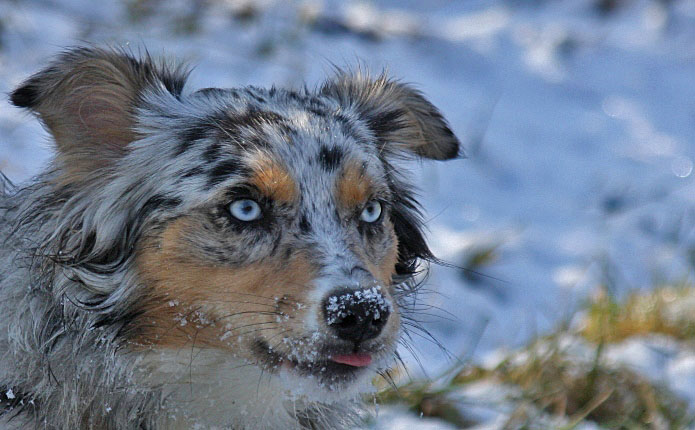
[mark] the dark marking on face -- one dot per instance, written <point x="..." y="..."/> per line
<point x="159" y="202"/>
<point x="318" y="112"/>
<point x="255" y="117"/>
<point x="212" y="152"/>
<point x="288" y="252"/>
<point x="276" y="245"/>
<point x="264" y="351"/>
<point x="304" y="225"/>
<point x="215" y="253"/>
<point x="124" y="321"/>
<point x="246" y="128"/>
<point x="329" y="158"/>
<point x="194" y="171"/>
<point x="191" y="135"/>
<point x="222" y="171"/>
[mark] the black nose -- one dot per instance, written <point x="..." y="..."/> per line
<point x="356" y="315"/>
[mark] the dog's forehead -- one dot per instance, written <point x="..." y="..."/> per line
<point x="310" y="136"/>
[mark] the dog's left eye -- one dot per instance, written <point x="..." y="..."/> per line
<point x="245" y="210"/>
<point x="372" y="212"/>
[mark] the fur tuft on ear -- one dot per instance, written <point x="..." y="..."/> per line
<point x="87" y="99"/>
<point x="396" y="113"/>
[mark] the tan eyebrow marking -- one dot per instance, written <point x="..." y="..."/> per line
<point x="272" y="179"/>
<point x="354" y="187"/>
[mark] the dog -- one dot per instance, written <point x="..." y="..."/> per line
<point x="222" y="258"/>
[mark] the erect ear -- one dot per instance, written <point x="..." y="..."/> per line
<point x="396" y="113"/>
<point x="87" y="99"/>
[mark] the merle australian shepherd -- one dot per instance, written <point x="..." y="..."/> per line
<point x="223" y="258"/>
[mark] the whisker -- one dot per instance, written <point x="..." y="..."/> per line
<point x="469" y="271"/>
<point x="250" y="325"/>
<point x="399" y="359"/>
<point x="255" y="331"/>
<point x="274" y="299"/>
<point x="264" y="313"/>
<point x="276" y="335"/>
<point x="240" y="302"/>
<point x="386" y="375"/>
<point x="425" y="334"/>
<point x="415" y="356"/>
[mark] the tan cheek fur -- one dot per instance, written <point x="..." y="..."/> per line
<point x="383" y="269"/>
<point x="218" y="304"/>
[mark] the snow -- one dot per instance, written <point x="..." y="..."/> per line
<point x="681" y="374"/>
<point x="399" y="419"/>
<point x="649" y="356"/>
<point x="661" y="359"/>
<point x="579" y="129"/>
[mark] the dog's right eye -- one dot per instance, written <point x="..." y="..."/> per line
<point x="245" y="210"/>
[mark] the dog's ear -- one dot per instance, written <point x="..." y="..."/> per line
<point x="87" y="100"/>
<point x="397" y="114"/>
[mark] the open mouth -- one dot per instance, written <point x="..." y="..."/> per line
<point x="337" y="367"/>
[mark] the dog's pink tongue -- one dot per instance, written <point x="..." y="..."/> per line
<point x="356" y="360"/>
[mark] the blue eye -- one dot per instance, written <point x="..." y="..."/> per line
<point x="372" y="212"/>
<point x="245" y="210"/>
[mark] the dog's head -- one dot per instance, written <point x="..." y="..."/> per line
<point x="269" y="225"/>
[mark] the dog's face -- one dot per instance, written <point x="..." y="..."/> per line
<point x="288" y="259"/>
<point x="268" y="225"/>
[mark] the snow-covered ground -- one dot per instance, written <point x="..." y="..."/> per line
<point x="579" y="127"/>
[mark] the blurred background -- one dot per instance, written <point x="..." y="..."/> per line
<point x="573" y="215"/>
